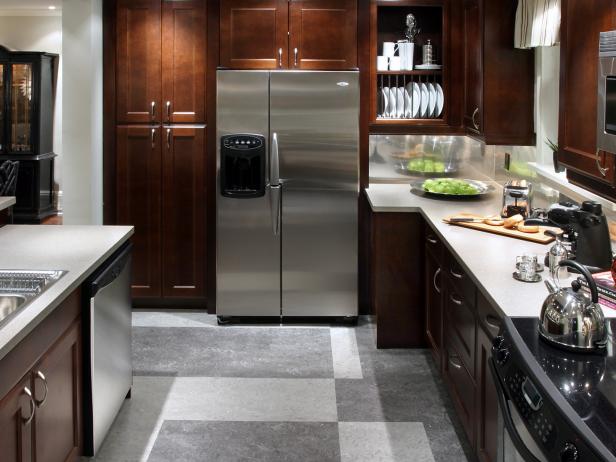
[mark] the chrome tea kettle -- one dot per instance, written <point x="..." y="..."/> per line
<point x="569" y="318"/>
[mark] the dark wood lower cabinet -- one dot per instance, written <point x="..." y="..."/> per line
<point x="459" y="323"/>
<point x="40" y="390"/>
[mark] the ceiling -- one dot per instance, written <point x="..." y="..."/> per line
<point x="29" y="4"/>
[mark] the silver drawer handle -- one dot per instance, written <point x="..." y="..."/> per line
<point x="493" y="321"/>
<point x="454" y="274"/>
<point x="436" y="273"/>
<point x="40" y="375"/>
<point x="28" y="419"/>
<point x="475" y="113"/>
<point x="431" y="239"/>
<point x="454" y="360"/>
<point x="279" y="57"/>
<point x="602" y="170"/>
<point x="457" y="301"/>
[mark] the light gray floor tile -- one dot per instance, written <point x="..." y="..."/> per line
<point x="231" y="352"/>
<point x="190" y="441"/>
<point x="242" y="399"/>
<point x="347" y="363"/>
<point x="173" y="319"/>
<point x="384" y="442"/>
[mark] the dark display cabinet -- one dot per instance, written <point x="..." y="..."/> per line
<point x="26" y="129"/>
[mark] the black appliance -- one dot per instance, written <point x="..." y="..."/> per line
<point x="585" y="227"/>
<point x="242" y="166"/>
<point x="554" y="405"/>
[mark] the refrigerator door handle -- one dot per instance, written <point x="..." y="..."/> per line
<point x="275" y="192"/>
<point x="274" y="162"/>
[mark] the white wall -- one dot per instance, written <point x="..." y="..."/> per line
<point x="547" y="72"/>
<point x="82" y="111"/>
<point x="39" y="33"/>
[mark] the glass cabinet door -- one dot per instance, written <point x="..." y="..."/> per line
<point x="21" y="107"/>
<point x="2" y="101"/>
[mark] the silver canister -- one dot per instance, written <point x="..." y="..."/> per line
<point x="428" y="53"/>
<point x="557" y="253"/>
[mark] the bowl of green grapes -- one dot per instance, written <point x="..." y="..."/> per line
<point x="450" y="187"/>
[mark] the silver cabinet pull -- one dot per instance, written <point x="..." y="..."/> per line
<point x="153" y="110"/>
<point x="431" y="239"/>
<point x="41" y="376"/>
<point x="275" y="192"/>
<point x="295" y="54"/>
<point x="492" y="321"/>
<point x="454" y="274"/>
<point x="454" y="360"/>
<point x="28" y="419"/>
<point x="168" y="138"/>
<point x="153" y="135"/>
<point x="457" y="301"/>
<point x="475" y="113"/>
<point x="602" y="170"/>
<point x="168" y="111"/>
<point x="436" y="273"/>
<point x="279" y="57"/>
<point x="274" y="162"/>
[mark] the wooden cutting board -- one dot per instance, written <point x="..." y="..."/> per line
<point x="539" y="237"/>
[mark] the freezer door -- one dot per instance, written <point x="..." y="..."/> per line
<point x="315" y="117"/>
<point x="247" y="234"/>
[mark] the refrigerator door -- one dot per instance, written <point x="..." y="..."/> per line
<point x="248" y="234"/>
<point x="315" y="117"/>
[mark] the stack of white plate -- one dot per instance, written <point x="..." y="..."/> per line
<point x="414" y="101"/>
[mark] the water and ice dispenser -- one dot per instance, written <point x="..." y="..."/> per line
<point x="242" y="166"/>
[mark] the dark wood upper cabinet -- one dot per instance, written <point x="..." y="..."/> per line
<point x="323" y="34"/>
<point x="57" y="382"/>
<point x="183" y="61"/>
<point x="138" y="151"/>
<point x="138" y="54"/>
<point x="254" y="34"/>
<point x="579" y="52"/>
<point x="499" y="79"/>
<point x="184" y="212"/>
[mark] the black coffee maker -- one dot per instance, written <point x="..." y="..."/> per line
<point x="585" y="228"/>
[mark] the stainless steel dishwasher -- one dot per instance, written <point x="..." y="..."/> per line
<point x="107" y="346"/>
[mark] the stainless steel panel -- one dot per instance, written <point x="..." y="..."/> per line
<point x="247" y="248"/>
<point x="111" y="352"/>
<point x="316" y="118"/>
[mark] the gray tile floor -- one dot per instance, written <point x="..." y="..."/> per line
<point x="278" y="393"/>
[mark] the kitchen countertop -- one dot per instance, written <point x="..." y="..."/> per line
<point x="488" y="258"/>
<point x="6" y="202"/>
<point x="80" y="250"/>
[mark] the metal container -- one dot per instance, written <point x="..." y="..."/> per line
<point x="570" y="319"/>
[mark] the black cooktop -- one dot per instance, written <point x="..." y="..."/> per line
<point x="586" y="381"/>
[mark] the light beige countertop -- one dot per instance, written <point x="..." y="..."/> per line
<point x="80" y="250"/>
<point x="6" y="202"/>
<point x="488" y="258"/>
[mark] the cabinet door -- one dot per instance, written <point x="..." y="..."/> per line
<point x="138" y="66"/>
<point x="473" y="73"/>
<point x="16" y="435"/>
<point x="487" y="402"/>
<point x="462" y="387"/>
<point x="434" y="307"/>
<point x="323" y="34"/>
<point x="139" y="202"/>
<point x="462" y="325"/>
<point x="254" y="34"/>
<point x="578" y="86"/>
<point x="184" y="212"/>
<point x="183" y="61"/>
<point x="57" y="391"/>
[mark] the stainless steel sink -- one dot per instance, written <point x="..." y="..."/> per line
<point x="18" y="288"/>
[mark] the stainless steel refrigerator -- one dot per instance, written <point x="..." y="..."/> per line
<point x="287" y="189"/>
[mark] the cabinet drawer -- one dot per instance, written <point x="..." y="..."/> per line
<point x="461" y="327"/>
<point x="433" y="243"/>
<point x="462" y="388"/>
<point x="487" y="316"/>
<point x="460" y="279"/>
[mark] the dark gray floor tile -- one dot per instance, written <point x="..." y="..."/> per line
<point x="197" y="441"/>
<point x="233" y="352"/>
